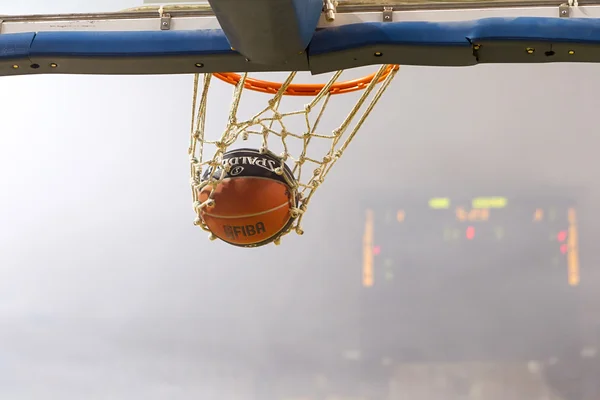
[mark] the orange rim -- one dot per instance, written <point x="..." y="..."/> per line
<point x="297" y="89"/>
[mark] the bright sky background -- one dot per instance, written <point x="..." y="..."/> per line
<point x="107" y="290"/>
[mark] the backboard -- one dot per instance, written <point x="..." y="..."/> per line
<point x="299" y="35"/>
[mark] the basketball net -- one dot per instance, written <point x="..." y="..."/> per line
<point x="269" y="125"/>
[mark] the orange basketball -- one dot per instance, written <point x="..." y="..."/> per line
<point x="252" y="204"/>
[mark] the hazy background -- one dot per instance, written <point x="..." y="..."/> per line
<point x="107" y="290"/>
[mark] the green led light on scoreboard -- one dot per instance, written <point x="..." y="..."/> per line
<point x="489" y="202"/>
<point x="438" y="203"/>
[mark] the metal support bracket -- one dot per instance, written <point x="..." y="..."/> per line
<point x="388" y="14"/>
<point x="165" y="22"/>
<point x="564" y="10"/>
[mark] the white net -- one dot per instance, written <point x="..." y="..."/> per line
<point x="299" y="137"/>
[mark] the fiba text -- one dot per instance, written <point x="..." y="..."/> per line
<point x="235" y="231"/>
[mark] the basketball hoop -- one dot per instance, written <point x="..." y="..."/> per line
<point x="268" y="126"/>
<point x="297" y="89"/>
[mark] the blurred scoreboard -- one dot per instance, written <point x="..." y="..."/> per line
<point x="543" y="231"/>
<point x="476" y="277"/>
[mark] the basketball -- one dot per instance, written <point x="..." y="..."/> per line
<point x="252" y="203"/>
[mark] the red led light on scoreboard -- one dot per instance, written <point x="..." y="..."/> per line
<point x="562" y="236"/>
<point x="470" y="232"/>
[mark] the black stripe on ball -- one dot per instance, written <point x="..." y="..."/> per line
<point x="251" y="163"/>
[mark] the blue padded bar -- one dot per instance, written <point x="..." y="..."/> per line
<point x="347" y="37"/>
<point x="576" y="30"/>
<point x="492" y="40"/>
<point x="139" y="52"/>
<point x="14" y="51"/>
<point x="268" y="31"/>
<point x="500" y="40"/>
<point x="421" y="43"/>
<point x="130" y="44"/>
<point x="16" y="45"/>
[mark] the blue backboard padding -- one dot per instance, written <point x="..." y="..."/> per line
<point x="325" y="42"/>
<point x="465" y="33"/>
<point x="16" y="45"/>
<point x="130" y="44"/>
<point x="348" y="37"/>
<point x="576" y="30"/>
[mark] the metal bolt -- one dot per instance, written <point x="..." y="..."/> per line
<point x="199" y="65"/>
<point x="477" y="47"/>
<point x="530" y="50"/>
<point x="571" y="52"/>
<point x="53" y="65"/>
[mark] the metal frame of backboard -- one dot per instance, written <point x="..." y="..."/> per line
<point x="362" y="33"/>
